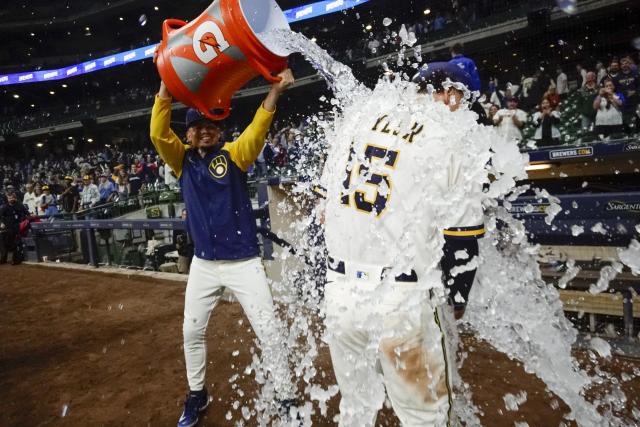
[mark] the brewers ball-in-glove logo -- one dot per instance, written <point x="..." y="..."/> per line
<point x="218" y="166"/>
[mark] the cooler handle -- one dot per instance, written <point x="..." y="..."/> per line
<point x="266" y="73"/>
<point x="225" y="113"/>
<point x="171" y="25"/>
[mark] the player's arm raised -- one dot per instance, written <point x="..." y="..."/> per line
<point x="245" y="150"/>
<point x="166" y="142"/>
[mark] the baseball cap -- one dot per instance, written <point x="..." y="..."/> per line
<point x="68" y="178"/>
<point x="45" y="187"/>
<point x="86" y="177"/>
<point x="436" y="73"/>
<point x="194" y="117"/>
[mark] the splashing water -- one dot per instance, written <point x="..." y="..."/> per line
<point x="511" y="306"/>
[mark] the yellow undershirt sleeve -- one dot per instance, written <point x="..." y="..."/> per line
<point x="245" y="150"/>
<point x="166" y="142"/>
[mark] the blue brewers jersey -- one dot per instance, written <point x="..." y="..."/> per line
<point x="219" y="213"/>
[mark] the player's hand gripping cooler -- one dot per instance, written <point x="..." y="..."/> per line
<point x="203" y="63"/>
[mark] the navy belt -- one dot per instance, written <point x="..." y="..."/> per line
<point x="338" y="267"/>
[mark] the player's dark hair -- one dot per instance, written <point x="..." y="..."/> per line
<point x="457" y="49"/>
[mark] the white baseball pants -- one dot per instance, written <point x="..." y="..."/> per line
<point x="248" y="282"/>
<point x="378" y="341"/>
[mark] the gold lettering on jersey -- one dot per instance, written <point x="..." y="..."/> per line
<point x="383" y="125"/>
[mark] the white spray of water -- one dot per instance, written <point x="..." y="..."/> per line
<point x="511" y="307"/>
<point x="631" y="256"/>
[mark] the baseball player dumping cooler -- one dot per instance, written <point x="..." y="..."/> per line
<point x="383" y="302"/>
<point x="213" y="181"/>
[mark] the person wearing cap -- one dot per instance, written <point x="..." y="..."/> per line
<point x="49" y="203"/>
<point x="106" y="188"/>
<point x="382" y="235"/>
<point x="47" y="199"/>
<point x="510" y="121"/>
<point x="213" y="179"/>
<point x="90" y="195"/>
<point x="12" y="214"/>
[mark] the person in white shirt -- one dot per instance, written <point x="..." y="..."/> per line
<point x="511" y="120"/>
<point x="30" y="199"/>
<point x="608" y="106"/>
<point x="90" y="194"/>
<point x="169" y="176"/>
<point x="546" y="119"/>
<point x="562" y="85"/>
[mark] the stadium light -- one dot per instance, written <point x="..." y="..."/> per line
<point x="51" y="92"/>
<point x="33" y="105"/>
<point x="368" y="27"/>
<point x="121" y="18"/>
<point x="427" y="11"/>
<point x="155" y="7"/>
<point x="39" y="145"/>
<point x="16" y="96"/>
<point x="89" y="139"/>
<point x="313" y="39"/>
<point x="64" y="85"/>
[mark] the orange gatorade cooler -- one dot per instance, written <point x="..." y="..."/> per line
<point x="203" y="63"/>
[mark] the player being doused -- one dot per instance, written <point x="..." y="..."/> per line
<point x="404" y="185"/>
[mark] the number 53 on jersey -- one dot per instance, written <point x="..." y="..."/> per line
<point x="379" y="181"/>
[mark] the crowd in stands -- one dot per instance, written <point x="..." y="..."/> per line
<point x="75" y="182"/>
<point x="545" y="109"/>
<point x="542" y="110"/>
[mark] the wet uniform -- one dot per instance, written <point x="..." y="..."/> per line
<point x="382" y="314"/>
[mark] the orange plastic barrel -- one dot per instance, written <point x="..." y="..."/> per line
<point x="203" y="63"/>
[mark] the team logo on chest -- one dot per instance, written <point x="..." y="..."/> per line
<point x="218" y="166"/>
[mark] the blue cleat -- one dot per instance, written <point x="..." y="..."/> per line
<point x="195" y="403"/>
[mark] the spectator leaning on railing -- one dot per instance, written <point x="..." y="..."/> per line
<point x="90" y="195"/>
<point x="608" y="106"/>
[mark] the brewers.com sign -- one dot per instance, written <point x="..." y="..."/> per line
<point x="571" y="153"/>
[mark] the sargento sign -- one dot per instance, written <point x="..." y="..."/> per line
<point x="569" y="153"/>
<point x="619" y="206"/>
<point x="632" y="146"/>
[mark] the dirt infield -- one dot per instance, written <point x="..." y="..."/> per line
<point x="89" y="349"/>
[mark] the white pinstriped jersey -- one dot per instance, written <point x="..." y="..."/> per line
<point x="405" y="179"/>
